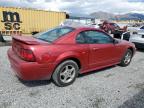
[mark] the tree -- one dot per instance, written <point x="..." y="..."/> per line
<point x="1" y="38"/>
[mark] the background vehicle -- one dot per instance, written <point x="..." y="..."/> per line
<point x="138" y="40"/>
<point x="64" y="52"/>
<point x="133" y="30"/>
<point x="112" y="28"/>
<point x="136" y="36"/>
<point x="96" y="25"/>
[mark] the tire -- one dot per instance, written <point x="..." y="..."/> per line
<point x="127" y="58"/>
<point x="65" y="73"/>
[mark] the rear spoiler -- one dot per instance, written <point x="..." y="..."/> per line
<point x="25" y="40"/>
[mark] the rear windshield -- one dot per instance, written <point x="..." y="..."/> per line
<point x="53" y="34"/>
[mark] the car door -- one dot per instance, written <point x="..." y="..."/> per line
<point x="83" y="49"/>
<point x="102" y="49"/>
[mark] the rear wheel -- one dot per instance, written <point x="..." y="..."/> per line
<point x="127" y="58"/>
<point x="65" y="73"/>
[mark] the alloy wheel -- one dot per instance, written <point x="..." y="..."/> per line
<point x="67" y="74"/>
<point x="127" y="58"/>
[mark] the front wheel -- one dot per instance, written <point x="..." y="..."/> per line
<point x="65" y="73"/>
<point x="127" y="58"/>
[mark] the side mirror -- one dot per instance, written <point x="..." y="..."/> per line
<point x="115" y="41"/>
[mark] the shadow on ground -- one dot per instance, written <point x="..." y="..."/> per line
<point x="47" y="82"/>
<point x="7" y="43"/>
<point x="137" y="101"/>
<point x="35" y="83"/>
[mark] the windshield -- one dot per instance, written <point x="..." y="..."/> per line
<point x="53" y="34"/>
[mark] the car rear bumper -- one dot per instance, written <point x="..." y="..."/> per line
<point x="29" y="70"/>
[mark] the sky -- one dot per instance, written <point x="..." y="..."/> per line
<point x="80" y="6"/>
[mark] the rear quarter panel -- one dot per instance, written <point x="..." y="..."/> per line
<point x="57" y="53"/>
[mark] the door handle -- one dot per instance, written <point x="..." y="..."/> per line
<point x="95" y="49"/>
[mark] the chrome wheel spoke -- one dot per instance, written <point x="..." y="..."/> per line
<point x="71" y="71"/>
<point x="67" y="74"/>
<point x="65" y="78"/>
<point x="62" y="74"/>
<point x="127" y="58"/>
<point x="66" y="68"/>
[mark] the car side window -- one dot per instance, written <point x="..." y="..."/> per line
<point x="96" y="37"/>
<point x="93" y="37"/>
<point x="80" y="38"/>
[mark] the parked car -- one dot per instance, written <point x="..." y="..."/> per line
<point x="139" y="29"/>
<point x="138" y="40"/>
<point x="135" y="36"/>
<point x="134" y="30"/>
<point x="64" y="52"/>
<point x="95" y="25"/>
<point x="112" y="28"/>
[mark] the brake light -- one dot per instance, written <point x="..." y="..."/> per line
<point x="27" y="55"/>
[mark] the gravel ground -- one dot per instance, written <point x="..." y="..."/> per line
<point x="114" y="87"/>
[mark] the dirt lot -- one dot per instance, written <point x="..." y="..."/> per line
<point x="114" y="87"/>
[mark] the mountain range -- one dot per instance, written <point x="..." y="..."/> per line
<point x="110" y="16"/>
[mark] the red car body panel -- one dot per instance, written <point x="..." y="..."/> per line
<point x="29" y="70"/>
<point x="49" y="55"/>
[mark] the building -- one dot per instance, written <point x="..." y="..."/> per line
<point x="27" y="21"/>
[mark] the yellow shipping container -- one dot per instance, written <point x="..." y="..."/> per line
<point x="26" y="21"/>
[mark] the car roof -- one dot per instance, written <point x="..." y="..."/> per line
<point x="84" y="28"/>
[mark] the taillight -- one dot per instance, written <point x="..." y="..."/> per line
<point x="26" y="54"/>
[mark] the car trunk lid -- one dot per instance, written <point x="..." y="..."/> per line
<point x="23" y="46"/>
<point x="29" y="40"/>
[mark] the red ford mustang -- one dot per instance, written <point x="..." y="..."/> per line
<point x="64" y="52"/>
